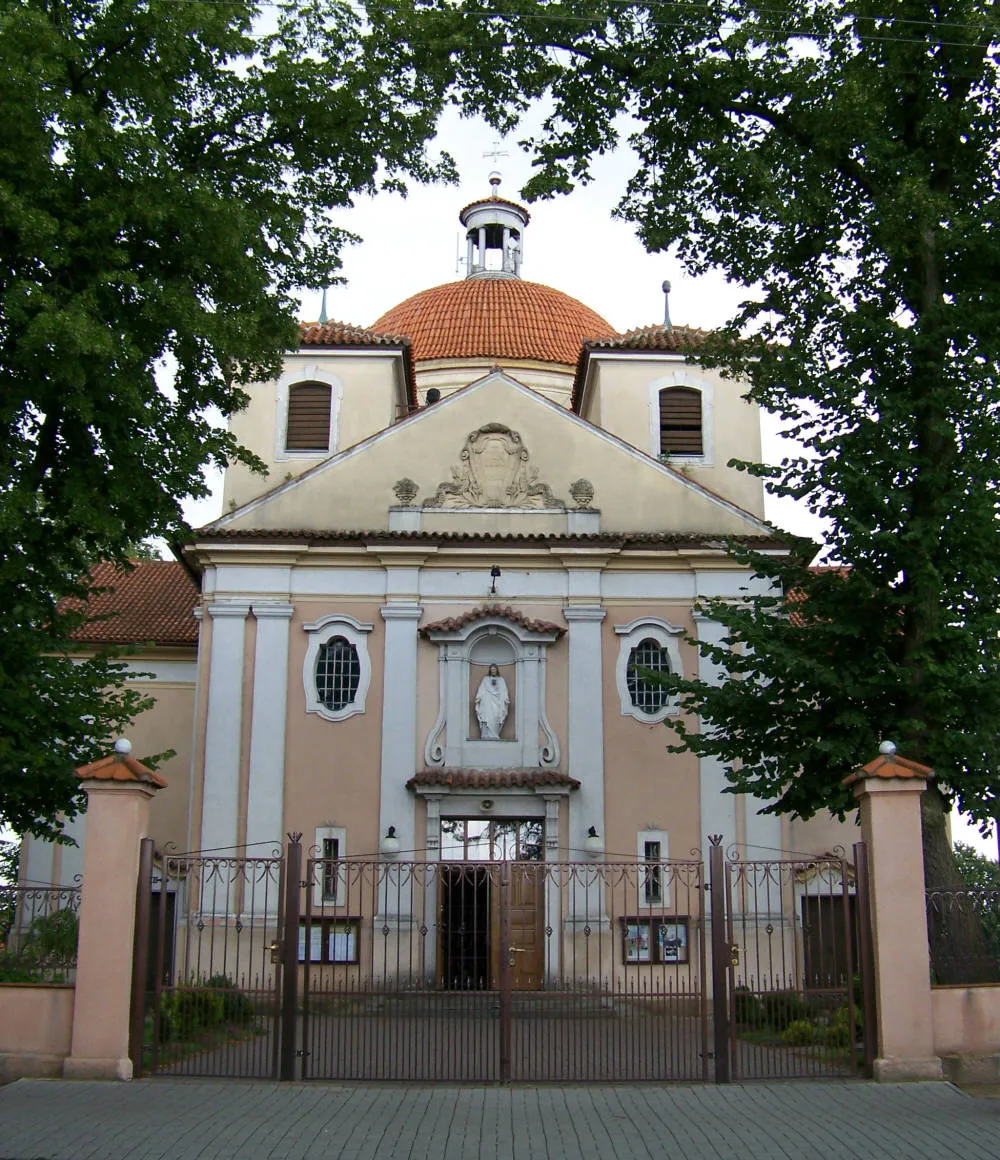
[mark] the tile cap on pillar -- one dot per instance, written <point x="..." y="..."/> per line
<point x="889" y="765"/>
<point x="120" y="766"/>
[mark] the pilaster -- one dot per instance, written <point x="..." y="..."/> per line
<point x="223" y="732"/>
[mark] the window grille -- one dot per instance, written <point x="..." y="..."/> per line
<point x="652" y="885"/>
<point x="338" y="673"/>
<point x="308" y="426"/>
<point x="646" y="696"/>
<point x="331" y="868"/>
<point x="680" y="422"/>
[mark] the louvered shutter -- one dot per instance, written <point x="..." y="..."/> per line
<point x="308" y="418"/>
<point x="680" y="422"/>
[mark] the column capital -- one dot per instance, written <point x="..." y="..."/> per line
<point x="231" y="611"/>
<point x="402" y="611"/>
<point x="273" y="609"/>
<point x="584" y="612"/>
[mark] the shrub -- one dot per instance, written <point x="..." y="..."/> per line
<point x="800" y="1033"/>
<point x="783" y="1008"/>
<point x="748" y="1009"/>
<point x="236" y="1007"/>
<point x="187" y="1011"/>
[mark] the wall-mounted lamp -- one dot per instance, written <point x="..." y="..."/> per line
<point x="593" y="843"/>
<point x="494" y="576"/>
<point x="390" y="843"/>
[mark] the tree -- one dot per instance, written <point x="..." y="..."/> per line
<point x="167" y="171"/>
<point x="842" y="160"/>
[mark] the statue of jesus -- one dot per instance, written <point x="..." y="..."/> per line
<point x="492" y="703"/>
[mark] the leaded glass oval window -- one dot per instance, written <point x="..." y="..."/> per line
<point x="338" y="673"/>
<point x="650" y="656"/>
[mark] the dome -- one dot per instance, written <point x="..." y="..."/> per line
<point x="504" y="318"/>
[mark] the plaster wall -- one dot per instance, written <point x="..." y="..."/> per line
<point x="332" y="767"/>
<point x="633" y="492"/>
<point x="168" y="725"/>
<point x="645" y="787"/>
<point x="365" y="400"/>
<point x="36" y="1029"/>
<point x="822" y="834"/>
<point x="966" y="1020"/>
<point x="449" y="375"/>
<point x="622" y="399"/>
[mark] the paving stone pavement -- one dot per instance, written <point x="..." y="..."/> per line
<point x="170" y="1119"/>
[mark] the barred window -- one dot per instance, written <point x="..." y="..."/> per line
<point x="646" y="695"/>
<point x="652" y="885"/>
<point x="338" y="673"/>
<point x="331" y="868"/>
<point x="308" y="426"/>
<point x="680" y="422"/>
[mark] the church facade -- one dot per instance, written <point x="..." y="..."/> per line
<point x="424" y="633"/>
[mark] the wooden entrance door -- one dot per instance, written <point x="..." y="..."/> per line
<point x="523" y="897"/>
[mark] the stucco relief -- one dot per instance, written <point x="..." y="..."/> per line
<point x="494" y="471"/>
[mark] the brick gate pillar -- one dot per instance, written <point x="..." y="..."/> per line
<point x="119" y="790"/>
<point x="888" y="790"/>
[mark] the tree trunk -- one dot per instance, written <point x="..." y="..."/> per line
<point x="960" y="951"/>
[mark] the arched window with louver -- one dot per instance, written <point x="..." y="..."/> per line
<point x="308" y="427"/>
<point x="681" y="429"/>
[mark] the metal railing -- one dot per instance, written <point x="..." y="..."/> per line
<point x="963" y="930"/>
<point x="38" y="933"/>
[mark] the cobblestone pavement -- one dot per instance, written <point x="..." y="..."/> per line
<point x="171" y="1119"/>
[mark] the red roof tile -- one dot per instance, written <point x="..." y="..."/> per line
<point x="659" y="338"/>
<point x="492" y="778"/>
<point x="344" y="335"/>
<point x="451" y="623"/>
<point x="119" y="767"/>
<point x="153" y="602"/>
<point x="495" y="318"/>
<point x="888" y="766"/>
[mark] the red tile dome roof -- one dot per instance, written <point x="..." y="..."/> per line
<point x="495" y="318"/>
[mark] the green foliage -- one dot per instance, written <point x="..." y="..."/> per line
<point x="45" y="952"/>
<point x="800" y="1032"/>
<point x="187" y="1012"/>
<point x="10" y="859"/>
<point x="978" y="872"/>
<point x="167" y="174"/>
<point x="843" y="160"/>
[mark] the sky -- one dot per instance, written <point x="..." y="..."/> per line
<point x="572" y="243"/>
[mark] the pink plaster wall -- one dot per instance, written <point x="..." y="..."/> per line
<point x="966" y="1020"/>
<point x="36" y="1027"/>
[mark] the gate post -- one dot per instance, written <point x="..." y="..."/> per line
<point x="290" y="958"/>
<point x="140" y="957"/>
<point x="119" y="790"/>
<point x="720" y="960"/>
<point x="888" y="790"/>
<point x="506" y="965"/>
<point x="866" y="965"/>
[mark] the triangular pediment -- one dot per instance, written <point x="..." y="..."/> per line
<point x="493" y="457"/>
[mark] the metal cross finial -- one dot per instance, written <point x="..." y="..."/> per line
<point x="496" y="152"/>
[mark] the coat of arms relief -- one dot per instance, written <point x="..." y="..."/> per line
<point x="494" y="471"/>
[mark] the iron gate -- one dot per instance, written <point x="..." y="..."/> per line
<point x="503" y="971"/>
<point x="207" y="975"/>
<point x="496" y="971"/>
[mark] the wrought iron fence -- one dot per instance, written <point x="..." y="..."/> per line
<point x="38" y="933"/>
<point x="795" y="987"/>
<point x="522" y="970"/>
<point x="207" y="974"/>
<point x="963" y="929"/>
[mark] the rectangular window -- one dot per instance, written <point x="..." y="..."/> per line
<point x="660" y="941"/>
<point x="652" y="883"/>
<point x="331" y="868"/>
<point x="329" y="872"/>
<point x="653" y="873"/>
<point x="330" y="940"/>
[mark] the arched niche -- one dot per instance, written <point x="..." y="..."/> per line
<point x="467" y="646"/>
